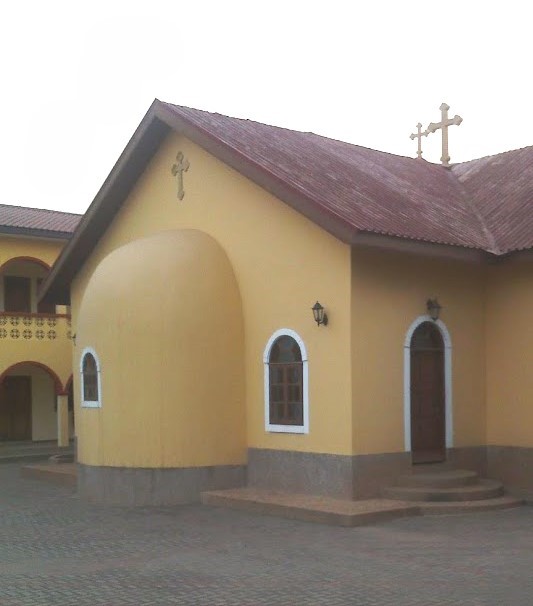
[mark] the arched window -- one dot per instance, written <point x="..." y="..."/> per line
<point x="91" y="390"/>
<point x="286" y="378"/>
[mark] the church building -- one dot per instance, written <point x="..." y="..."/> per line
<point x="255" y="306"/>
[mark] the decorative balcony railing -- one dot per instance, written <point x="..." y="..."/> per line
<point x="34" y="326"/>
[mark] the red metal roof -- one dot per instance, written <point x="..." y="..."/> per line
<point x="361" y="196"/>
<point x="36" y="221"/>
<point x="500" y="189"/>
<point x="382" y="193"/>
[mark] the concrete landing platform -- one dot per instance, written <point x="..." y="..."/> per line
<point x="323" y="510"/>
<point x="28" y="452"/>
<point x="65" y="474"/>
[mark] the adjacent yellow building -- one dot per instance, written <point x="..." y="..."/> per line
<point x="35" y="354"/>
<point x="200" y="363"/>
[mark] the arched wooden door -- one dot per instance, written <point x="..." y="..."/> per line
<point x="428" y="402"/>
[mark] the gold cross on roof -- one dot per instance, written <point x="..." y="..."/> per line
<point x="418" y="135"/>
<point x="443" y="124"/>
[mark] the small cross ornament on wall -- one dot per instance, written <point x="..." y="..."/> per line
<point x="178" y="168"/>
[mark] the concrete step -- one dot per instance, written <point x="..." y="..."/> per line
<point x="449" y="478"/>
<point x="484" y="489"/>
<point x="324" y="510"/>
<point x="456" y="507"/>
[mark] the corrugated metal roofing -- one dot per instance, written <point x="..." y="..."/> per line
<point x="377" y="192"/>
<point x="500" y="189"/>
<point x="37" y="219"/>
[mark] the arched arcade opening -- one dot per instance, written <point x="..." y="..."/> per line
<point x="20" y="279"/>
<point x="28" y="402"/>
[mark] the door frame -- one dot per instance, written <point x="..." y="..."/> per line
<point x="448" y="412"/>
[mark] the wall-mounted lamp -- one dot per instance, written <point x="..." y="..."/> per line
<point x="319" y="314"/>
<point x="73" y="338"/>
<point x="433" y="308"/>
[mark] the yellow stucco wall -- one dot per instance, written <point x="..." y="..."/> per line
<point x="39" y="248"/>
<point x="510" y="354"/>
<point x="173" y="322"/>
<point x="389" y="292"/>
<point x="282" y="263"/>
<point x="55" y="349"/>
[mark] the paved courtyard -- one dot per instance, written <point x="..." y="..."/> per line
<point x="56" y="550"/>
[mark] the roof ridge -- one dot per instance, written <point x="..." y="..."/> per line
<point x="301" y="132"/>
<point x="341" y="141"/>
<point x="491" y="240"/>
<point x="503" y="153"/>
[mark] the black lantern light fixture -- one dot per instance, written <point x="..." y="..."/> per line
<point x="433" y="307"/>
<point x="319" y="314"/>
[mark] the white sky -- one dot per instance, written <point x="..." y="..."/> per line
<point x="77" y="78"/>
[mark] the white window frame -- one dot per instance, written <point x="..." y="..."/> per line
<point x="272" y="428"/>
<point x="90" y="403"/>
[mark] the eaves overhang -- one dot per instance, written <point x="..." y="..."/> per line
<point x="422" y="248"/>
<point x="10" y="230"/>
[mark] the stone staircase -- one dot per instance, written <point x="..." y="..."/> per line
<point x="426" y="491"/>
<point x="446" y="491"/>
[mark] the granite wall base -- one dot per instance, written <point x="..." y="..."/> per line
<point x="303" y="472"/>
<point x="340" y="476"/>
<point x="165" y="486"/>
<point x="345" y="476"/>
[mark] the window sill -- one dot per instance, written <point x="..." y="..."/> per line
<point x="91" y="404"/>
<point x="287" y="429"/>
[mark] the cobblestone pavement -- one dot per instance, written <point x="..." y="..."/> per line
<point x="57" y="550"/>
